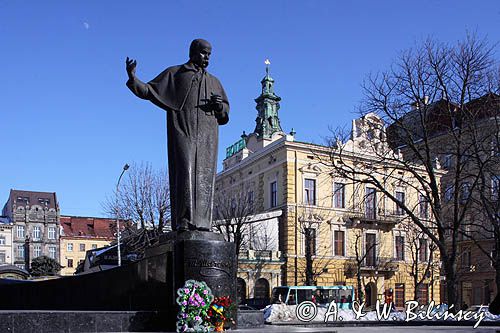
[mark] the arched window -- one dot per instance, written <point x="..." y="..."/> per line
<point x="241" y="290"/>
<point x="261" y="288"/>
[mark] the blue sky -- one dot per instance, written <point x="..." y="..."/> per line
<point x="68" y="123"/>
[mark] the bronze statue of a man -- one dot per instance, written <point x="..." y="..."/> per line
<point x="196" y="104"/>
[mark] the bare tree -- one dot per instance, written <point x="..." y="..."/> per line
<point x="426" y="98"/>
<point x="232" y="217"/>
<point x="143" y="197"/>
<point x="313" y="268"/>
<point x="421" y="256"/>
<point x="317" y="256"/>
<point x="357" y="262"/>
<point x="262" y="235"/>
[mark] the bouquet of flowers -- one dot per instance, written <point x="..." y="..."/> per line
<point x="194" y="300"/>
<point x="221" y="311"/>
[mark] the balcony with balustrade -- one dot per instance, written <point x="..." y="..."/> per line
<point x="374" y="218"/>
<point x="375" y="265"/>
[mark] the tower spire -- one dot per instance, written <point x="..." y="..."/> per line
<point x="267" y="121"/>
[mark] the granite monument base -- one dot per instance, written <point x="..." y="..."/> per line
<point x="202" y="256"/>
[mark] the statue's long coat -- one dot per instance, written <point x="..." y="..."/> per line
<point x="192" y="132"/>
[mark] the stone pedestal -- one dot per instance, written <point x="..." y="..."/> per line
<point x="202" y="256"/>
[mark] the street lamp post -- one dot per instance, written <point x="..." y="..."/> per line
<point x="118" y="238"/>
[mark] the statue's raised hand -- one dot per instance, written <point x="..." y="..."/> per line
<point x="131" y="65"/>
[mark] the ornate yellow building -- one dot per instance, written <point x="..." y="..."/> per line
<point x="331" y="230"/>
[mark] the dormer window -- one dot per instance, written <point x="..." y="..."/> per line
<point x="44" y="201"/>
<point x="25" y="200"/>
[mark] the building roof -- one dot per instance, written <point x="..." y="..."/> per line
<point x="44" y="199"/>
<point x="442" y="116"/>
<point x="88" y="227"/>
<point x="4" y="220"/>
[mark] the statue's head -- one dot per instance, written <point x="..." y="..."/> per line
<point x="199" y="52"/>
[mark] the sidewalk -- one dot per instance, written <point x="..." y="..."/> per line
<point x="384" y="329"/>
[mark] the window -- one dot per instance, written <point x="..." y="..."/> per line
<point x="24" y="200"/>
<point x="495" y="146"/>
<point x="44" y="201"/>
<point x="339" y="195"/>
<point x="371" y="203"/>
<point x="37" y="250"/>
<point x="447" y="161"/>
<point x="94" y="246"/>
<point x="70" y="263"/>
<point x="449" y="192"/>
<point x="274" y="194"/>
<point x="370" y="134"/>
<point x="370" y="249"/>
<point x="495" y="187"/>
<point x="400" y="248"/>
<point x="338" y="240"/>
<point x="51" y="234"/>
<point x="2" y="257"/>
<point x="465" y="231"/>
<point x="423" y="293"/>
<point x="216" y="212"/>
<point x="2" y="240"/>
<point x="466" y="258"/>
<point x="464" y="192"/>
<point x="310" y="191"/>
<point x="37" y="233"/>
<point x="466" y="290"/>
<point x="400" y="197"/>
<point x="82" y="247"/>
<point x="20" y="251"/>
<point x="250" y="201"/>
<point x="81" y="261"/>
<point x="69" y="247"/>
<point x="399" y="295"/>
<point x="310" y="241"/>
<point x="52" y="252"/>
<point x="20" y="231"/>
<point x="423" y="207"/>
<point x="422" y="250"/>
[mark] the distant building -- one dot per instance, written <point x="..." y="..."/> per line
<point x="35" y="220"/>
<point x="477" y="203"/>
<point x="80" y="234"/>
<point x="6" y="255"/>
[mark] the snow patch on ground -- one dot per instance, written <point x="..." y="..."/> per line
<point x="287" y="313"/>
